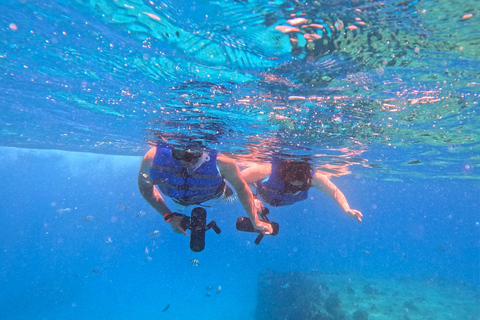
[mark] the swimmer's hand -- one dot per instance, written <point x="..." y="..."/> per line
<point x="352" y="213"/>
<point x="175" y="223"/>
<point x="263" y="227"/>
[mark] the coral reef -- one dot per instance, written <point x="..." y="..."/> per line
<point x="297" y="296"/>
<point x="317" y="296"/>
<point x="360" y="315"/>
<point x="333" y="305"/>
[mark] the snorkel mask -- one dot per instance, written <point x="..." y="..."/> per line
<point x="188" y="153"/>
<point x="293" y="171"/>
<point x="194" y="156"/>
<point x="290" y="188"/>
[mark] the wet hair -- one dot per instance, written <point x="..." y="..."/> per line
<point x="290" y="171"/>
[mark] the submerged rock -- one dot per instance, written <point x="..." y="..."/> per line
<point x="360" y="315"/>
<point x="333" y="305"/>
<point x="370" y="289"/>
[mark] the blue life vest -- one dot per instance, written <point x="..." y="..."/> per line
<point x="186" y="188"/>
<point x="272" y="190"/>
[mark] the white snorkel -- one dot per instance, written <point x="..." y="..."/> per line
<point x="203" y="158"/>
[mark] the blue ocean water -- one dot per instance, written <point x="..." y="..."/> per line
<point x="389" y="110"/>
<point x="57" y="265"/>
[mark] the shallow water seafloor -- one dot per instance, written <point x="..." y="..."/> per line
<point x="318" y="296"/>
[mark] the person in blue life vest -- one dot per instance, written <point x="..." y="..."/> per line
<point x="192" y="175"/>
<point x="285" y="182"/>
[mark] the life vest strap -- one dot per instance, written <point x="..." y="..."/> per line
<point x="184" y="174"/>
<point x="199" y="199"/>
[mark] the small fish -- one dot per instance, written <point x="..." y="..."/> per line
<point x="95" y="271"/>
<point x="88" y="218"/>
<point x="230" y="199"/>
<point x="108" y="240"/>
<point x="441" y="249"/>
<point x="366" y="252"/>
<point x="155" y="233"/>
<point x="414" y="162"/>
<point x="123" y="207"/>
<point x="286" y="286"/>
<point x="219" y="289"/>
<point x="61" y="211"/>
<point x="166" y="308"/>
<point x="147" y="251"/>
<point x="194" y="262"/>
<point x="209" y="288"/>
<point x="140" y="214"/>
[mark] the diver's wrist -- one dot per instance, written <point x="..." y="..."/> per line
<point x="168" y="217"/>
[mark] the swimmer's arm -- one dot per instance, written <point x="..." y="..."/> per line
<point x="323" y="184"/>
<point x="230" y="171"/>
<point x="147" y="189"/>
<point x="256" y="173"/>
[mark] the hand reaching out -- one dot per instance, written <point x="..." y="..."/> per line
<point x="352" y="213"/>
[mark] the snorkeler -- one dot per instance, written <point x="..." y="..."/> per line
<point x="285" y="182"/>
<point x="192" y="175"/>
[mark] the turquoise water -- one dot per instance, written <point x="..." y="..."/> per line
<point x="388" y="108"/>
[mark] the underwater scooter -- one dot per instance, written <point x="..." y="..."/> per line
<point x="245" y="224"/>
<point x="197" y="223"/>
